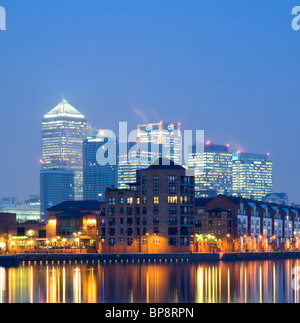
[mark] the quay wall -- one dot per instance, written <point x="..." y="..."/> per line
<point x="16" y="260"/>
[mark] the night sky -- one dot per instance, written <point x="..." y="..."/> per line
<point x="231" y="68"/>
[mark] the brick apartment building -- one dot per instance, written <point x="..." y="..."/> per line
<point x="156" y="215"/>
<point x="247" y="217"/>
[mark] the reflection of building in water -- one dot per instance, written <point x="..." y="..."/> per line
<point x="252" y="282"/>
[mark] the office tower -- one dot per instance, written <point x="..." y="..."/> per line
<point x="252" y="175"/>
<point x="213" y="169"/>
<point x="57" y="186"/>
<point x="97" y="178"/>
<point x="63" y="132"/>
<point x="168" y="135"/>
<point x="133" y="158"/>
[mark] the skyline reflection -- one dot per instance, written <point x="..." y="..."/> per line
<point x="239" y="282"/>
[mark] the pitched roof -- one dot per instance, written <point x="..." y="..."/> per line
<point x="64" y="109"/>
<point x="164" y="163"/>
<point x="76" y="205"/>
<point x="203" y="201"/>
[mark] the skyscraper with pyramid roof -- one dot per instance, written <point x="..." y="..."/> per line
<point x="63" y="132"/>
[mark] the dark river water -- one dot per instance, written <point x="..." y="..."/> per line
<point x="238" y="282"/>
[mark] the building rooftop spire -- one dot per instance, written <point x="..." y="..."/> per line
<point x="64" y="109"/>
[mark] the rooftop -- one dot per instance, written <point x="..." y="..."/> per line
<point x="76" y="205"/>
<point x="64" y="109"/>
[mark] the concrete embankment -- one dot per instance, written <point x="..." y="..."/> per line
<point x="108" y="258"/>
<point x="15" y="260"/>
<point x="244" y="256"/>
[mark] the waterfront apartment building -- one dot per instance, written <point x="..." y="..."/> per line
<point x="97" y="178"/>
<point x="63" y="132"/>
<point x="213" y="169"/>
<point x="249" y="219"/>
<point x="252" y="175"/>
<point x="156" y="215"/>
<point x="57" y="186"/>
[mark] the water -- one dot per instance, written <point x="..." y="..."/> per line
<point x="238" y="282"/>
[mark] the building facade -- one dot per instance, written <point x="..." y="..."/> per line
<point x="96" y="178"/>
<point x="57" y="186"/>
<point x="167" y="136"/>
<point x="156" y="215"/>
<point x="252" y="175"/>
<point x="63" y="132"/>
<point x="213" y="169"/>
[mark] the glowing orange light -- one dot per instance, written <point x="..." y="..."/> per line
<point x="238" y="152"/>
<point x="227" y="145"/>
<point x="208" y="143"/>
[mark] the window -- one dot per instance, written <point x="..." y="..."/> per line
<point x="172" y="189"/>
<point x="155" y="210"/>
<point x="172" y="179"/>
<point x="111" y="211"/>
<point x="111" y="231"/>
<point x="173" y="242"/>
<point x="155" y="241"/>
<point x="144" y="200"/>
<point x="112" y="242"/>
<point x="129" y="200"/>
<point x="155" y="189"/>
<point x="138" y="201"/>
<point x="42" y="234"/>
<point x="172" y="210"/>
<point x="121" y="200"/>
<point x="156" y="221"/>
<point x="172" y="221"/>
<point x="111" y="201"/>
<point x="156" y="200"/>
<point x="144" y="180"/>
<point x="144" y="190"/>
<point x="129" y="242"/>
<point x="155" y="179"/>
<point x="20" y="232"/>
<point x="156" y="230"/>
<point x="172" y="231"/>
<point x="172" y="199"/>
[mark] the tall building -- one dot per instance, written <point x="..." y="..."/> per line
<point x="167" y="135"/>
<point x="213" y="169"/>
<point x="252" y="175"/>
<point x="96" y="178"/>
<point x="134" y="158"/>
<point x="156" y="215"/>
<point x="57" y="186"/>
<point x="63" y="132"/>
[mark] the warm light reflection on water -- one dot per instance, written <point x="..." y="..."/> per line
<point x="266" y="281"/>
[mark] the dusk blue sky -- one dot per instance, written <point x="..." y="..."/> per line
<point x="231" y="68"/>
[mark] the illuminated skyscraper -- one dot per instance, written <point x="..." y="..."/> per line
<point x="63" y="132"/>
<point x="167" y="135"/>
<point x="132" y="159"/>
<point x="213" y="169"/>
<point x="252" y="175"/>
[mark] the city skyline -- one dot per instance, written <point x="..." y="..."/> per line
<point x="244" y="96"/>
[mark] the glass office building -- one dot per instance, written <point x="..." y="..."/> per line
<point x="213" y="169"/>
<point x="97" y="178"/>
<point x="167" y="135"/>
<point x="63" y="132"/>
<point x="252" y="175"/>
<point x="57" y="186"/>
